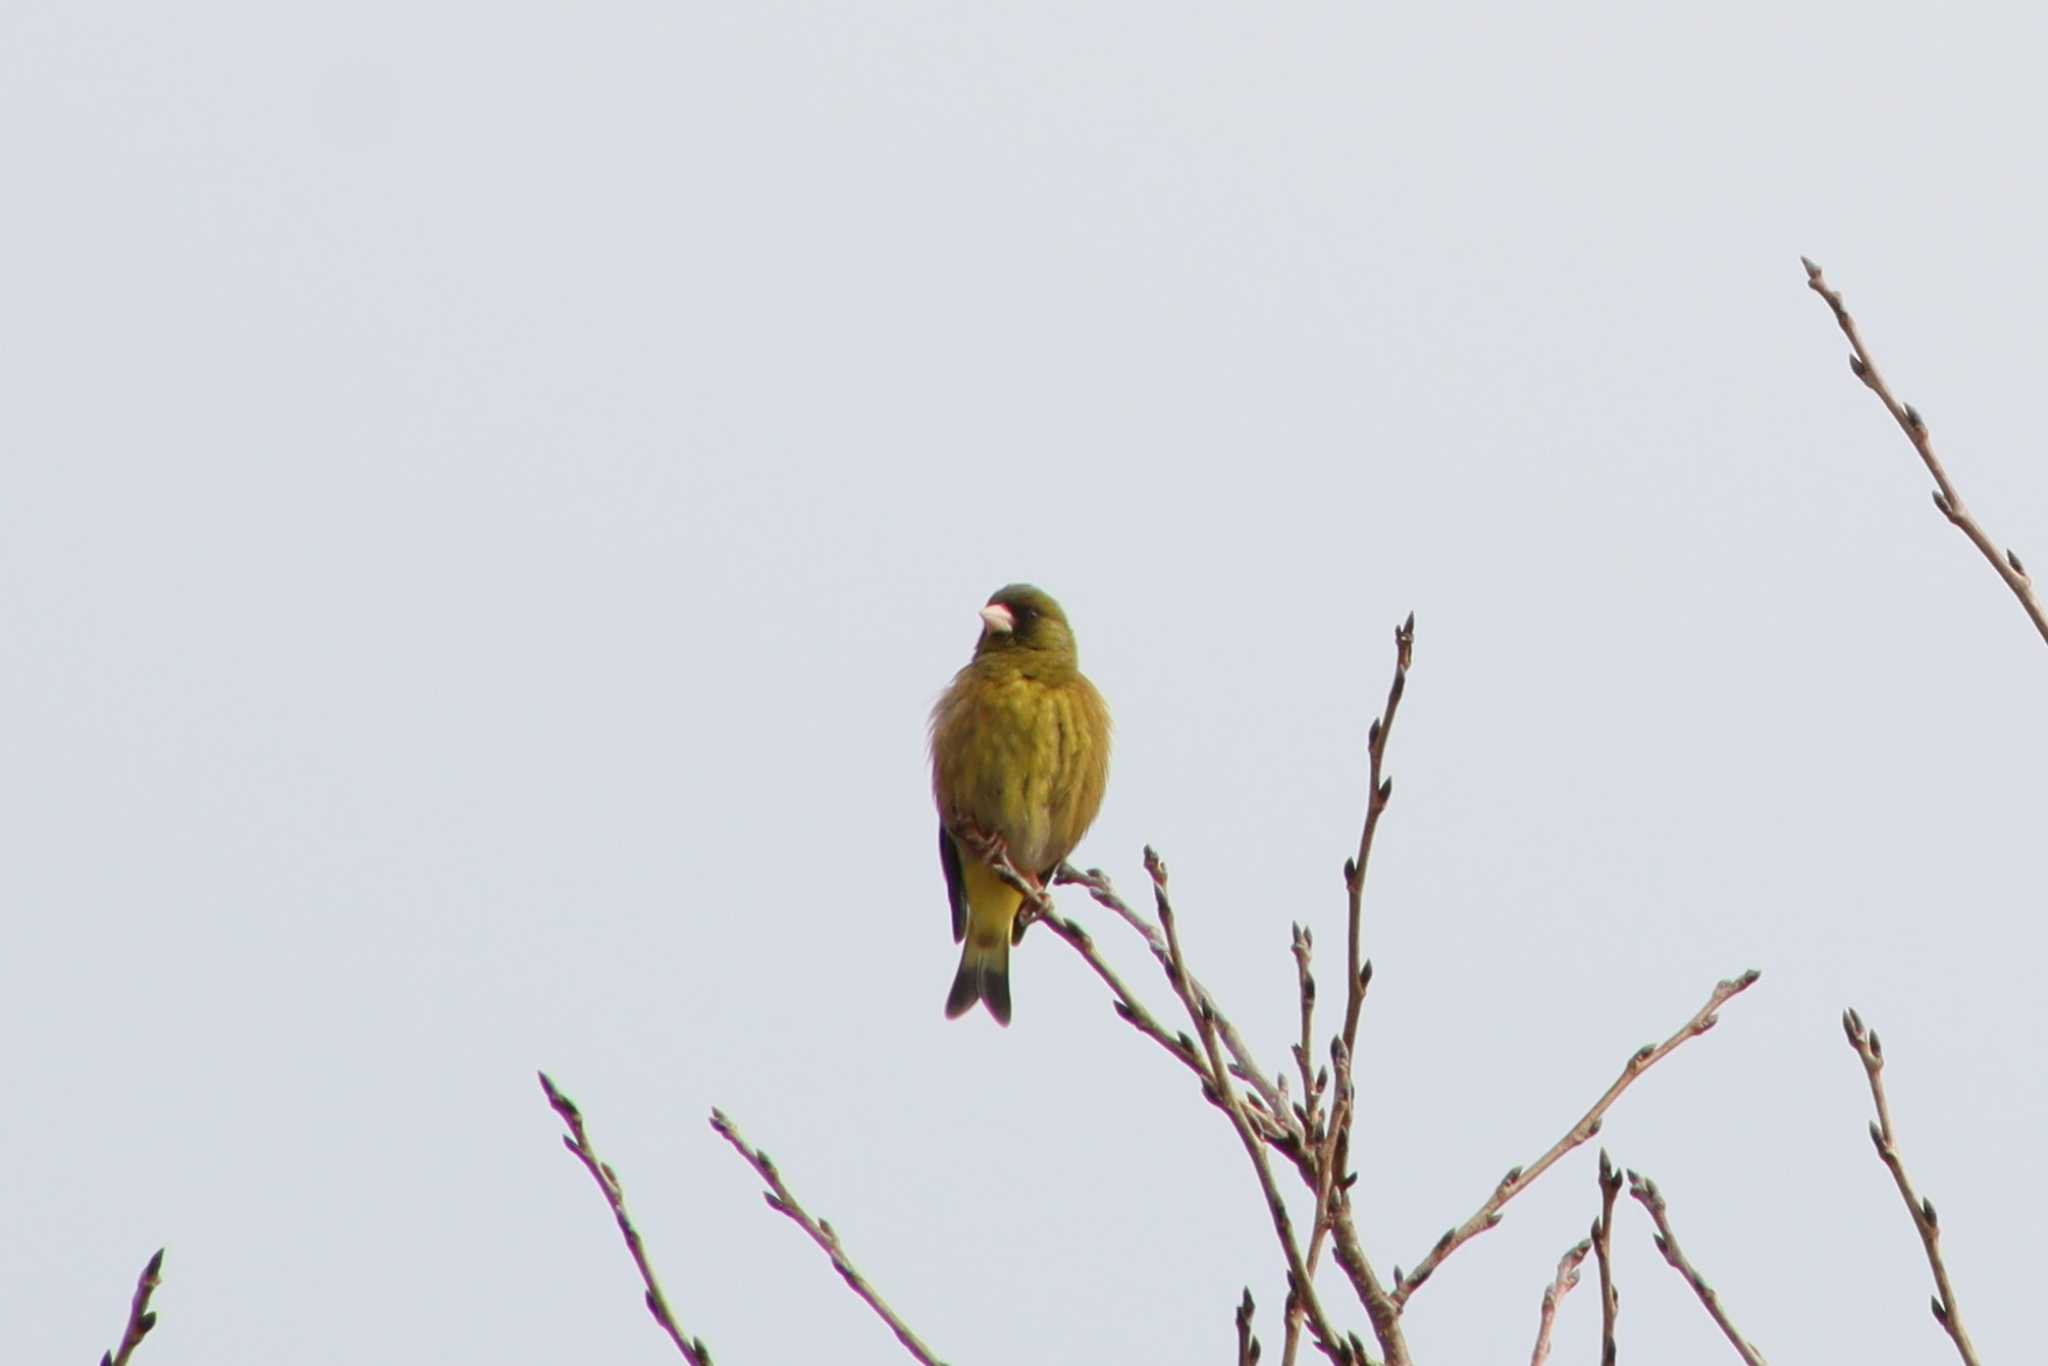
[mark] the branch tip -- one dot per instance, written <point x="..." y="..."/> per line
<point x="1947" y="500"/>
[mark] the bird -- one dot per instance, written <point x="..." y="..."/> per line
<point x="1020" y="755"/>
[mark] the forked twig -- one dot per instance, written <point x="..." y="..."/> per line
<point x="1946" y="499"/>
<point x="577" y="1141"/>
<point x="141" y="1318"/>
<point x="1603" y="1249"/>
<point x="1567" y="1277"/>
<point x="1330" y="1134"/>
<point x="821" y="1232"/>
<point x="1267" y="1105"/>
<point x="1520" y="1179"/>
<point x="1263" y="1114"/>
<point x="1271" y="1110"/>
<point x="1201" y="1011"/>
<point x="1380" y="791"/>
<point x="1645" y="1193"/>
<point x="1270" y="1100"/>
<point x="1247" y="1345"/>
<point x="1125" y="1001"/>
<point x="1946" y="1312"/>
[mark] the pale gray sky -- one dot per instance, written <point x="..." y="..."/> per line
<point x="490" y="493"/>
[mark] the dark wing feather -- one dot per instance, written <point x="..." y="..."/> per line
<point x="956" y="882"/>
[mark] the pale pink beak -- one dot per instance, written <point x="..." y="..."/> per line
<point x="999" y="618"/>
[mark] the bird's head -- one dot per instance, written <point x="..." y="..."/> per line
<point x="1024" y="621"/>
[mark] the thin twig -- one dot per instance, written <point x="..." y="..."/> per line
<point x="1332" y="1154"/>
<point x="1645" y="1193"/>
<point x="1520" y="1179"/>
<point x="1263" y="1113"/>
<point x="1125" y="1001"/>
<point x="782" y="1202"/>
<point x="577" y="1141"/>
<point x="1268" y="1096"/>
<point x="1313" y="1086"/>
<point x="1247" y="1345"/>
<point x="1381" y="791"/>
<point x="1271" y="1100"/>
<point x="1603" y="1250"/>
<point x="1946" y="499"/>
<point x="1201" y="1012"/>
<point x="1380" y="1307"/>
<point x="141" y="1318"/>
<point x="1274" y="1119"/>
<point x="1946" y="1312"/>
<point x="1039" y="908"/>
<point x="1567" y="1277"/>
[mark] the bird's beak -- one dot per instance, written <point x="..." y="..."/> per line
<point x="998" y="619"/>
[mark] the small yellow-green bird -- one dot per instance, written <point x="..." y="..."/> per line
<point x="1020" y="752"/>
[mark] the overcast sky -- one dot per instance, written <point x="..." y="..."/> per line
<point x="489" y="493"/>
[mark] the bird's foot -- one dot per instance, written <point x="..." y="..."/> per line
<point x="991" y="849"/>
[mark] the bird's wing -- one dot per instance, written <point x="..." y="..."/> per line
<point x="956" y="882"/>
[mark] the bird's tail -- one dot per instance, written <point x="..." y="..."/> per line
<point x="984" y="976"/>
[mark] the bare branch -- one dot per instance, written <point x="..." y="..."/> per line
<point x="1126" y="1002"/>
<point x="141" y="1318"/>
<point x="782" y="1202"/>
<point x="1520" y="1179"/>
<point x="1567" y="1277"/>
<point x="1271" y="1098"/>
<point x="1039" y="908"/>
<point x="1946" y="1312"/>
<point x="1381" y="792"/>
<point x="1269" y="1110"/>
<point x="577" y="1141"/>
<point x="1644" y="1191"/>
<point x="1320" y="1134"/>
<point x="1201" y="1011"/>
<point x="1603" y="1248"/>
<point x="1946" y="499"/>
<point x="1333" y="1154"/>
<point x="1247" y="1345"/>
<point x="1316" y="1143"/>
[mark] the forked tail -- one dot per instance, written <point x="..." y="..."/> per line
<point x="984" y="976"/>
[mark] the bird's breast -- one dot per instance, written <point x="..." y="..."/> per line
<point x="1014" y="756"/>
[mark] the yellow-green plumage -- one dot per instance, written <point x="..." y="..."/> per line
<point x="1020" y="751"/>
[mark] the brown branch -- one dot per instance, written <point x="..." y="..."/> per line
<point x="821" y="1232"/>
<point x="1520" y="1179"/>
<point x="1247" y="1345"/>
<point x="1201" y="1011"/>
<point x="1263" y="1114"/>
<point x="577" y="1141"/>
<point x="1946" y="1313"/>
<point x="1125" y="1001"/>
<point x="1333" y="1153"/>
<point x="1312" y="1085"/>
<point x="141" y="1318"/>
<point x="1946" y="499"/>
<point x="1379" y="1306"/>
<point x="1268" y="1096"/>
<point x="1603" y="1249"/>
<point x="1271" y="1100"/>
<point x="1039" y="908"/>
<point x="1567" y="1277"/>
<point x="1274" y="1117"/>
<point x="1644" y="1191"/>
<point x="1381" y="792"/>
<point x="1321" y="1134"/>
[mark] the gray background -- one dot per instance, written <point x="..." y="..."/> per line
<point x="491" y="492"/>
